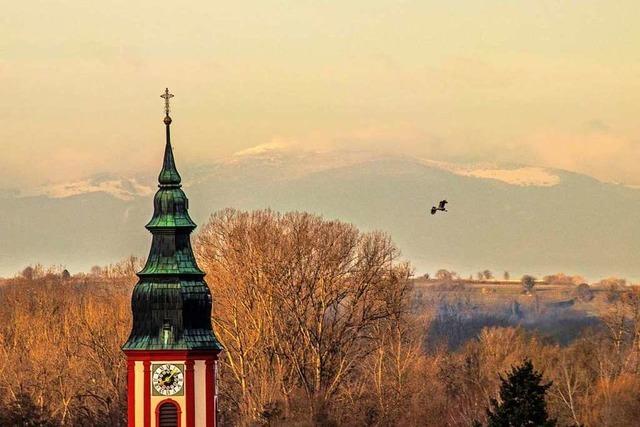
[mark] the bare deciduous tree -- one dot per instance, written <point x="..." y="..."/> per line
<point x="300" y="302"/>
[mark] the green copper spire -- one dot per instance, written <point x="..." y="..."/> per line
<point x="169" y="174"/>
<point x="171" y="303"/>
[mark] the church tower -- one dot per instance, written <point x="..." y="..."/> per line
<point x="172" y="351"/>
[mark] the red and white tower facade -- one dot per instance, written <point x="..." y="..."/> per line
<point x="172" y="351"/>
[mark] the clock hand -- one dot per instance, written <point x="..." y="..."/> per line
<point x="170" y="376"/>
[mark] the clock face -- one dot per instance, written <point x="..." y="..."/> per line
<point x="168" y="379"/>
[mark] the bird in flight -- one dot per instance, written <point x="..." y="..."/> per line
<point x="441" y="207"/>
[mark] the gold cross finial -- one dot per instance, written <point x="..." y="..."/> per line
<point x="167" y="96"/>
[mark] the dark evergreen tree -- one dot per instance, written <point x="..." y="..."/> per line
<point x="528" y="282"/>
<point x="522" y="396"/>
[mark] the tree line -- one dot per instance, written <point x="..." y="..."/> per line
<point x="321" y="326"/>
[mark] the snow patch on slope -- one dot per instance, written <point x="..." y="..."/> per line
<point x="123" y="189"/>
<point x="261" y="149"/>
<point x="521" y="176"/>
<point x="291" y="161"/>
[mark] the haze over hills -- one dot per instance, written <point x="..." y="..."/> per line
<point x="523" y="219"/>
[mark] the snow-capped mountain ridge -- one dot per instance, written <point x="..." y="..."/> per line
<point x="281" y="161"/>
<point x="523" y="219"/>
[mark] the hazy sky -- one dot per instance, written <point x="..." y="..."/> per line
<point x="553" y="83"/>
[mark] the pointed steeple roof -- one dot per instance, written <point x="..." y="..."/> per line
<point x="171" y="303"/>
<point x="169" y="174"/>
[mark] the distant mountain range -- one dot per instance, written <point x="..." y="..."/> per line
<point x="522" y="219"/>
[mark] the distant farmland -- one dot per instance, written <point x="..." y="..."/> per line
<point x="459" y="309"/>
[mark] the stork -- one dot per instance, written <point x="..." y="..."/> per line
<point x="441" y="207"/>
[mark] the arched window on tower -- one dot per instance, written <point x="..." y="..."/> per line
<point x="168" y="414"/>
